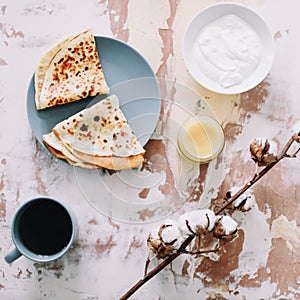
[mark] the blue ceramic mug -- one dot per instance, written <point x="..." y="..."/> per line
<point x="43" y="229"/>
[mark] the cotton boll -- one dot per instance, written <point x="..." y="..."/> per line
<point x="232" y="191"/>
<point x="197" y="222"/>
<point x="211" y="219"/>
<point x="249" y="203"/>
<point x="170" y="233"/>
<point x="153" y="240"/>
<point x="261" y="142"/>
<point x="258" y="148"/>
<point x="244" y="202"/>
<point x="165" y="239"/>
<point x="238" y="201"/>
<point x="229" y="224"/>
<point x="225" y="227"/>
<point x="272" y="148"/>
<point x="263" y="151"/>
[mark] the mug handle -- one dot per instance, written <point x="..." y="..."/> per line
<point x="12" y="256"/>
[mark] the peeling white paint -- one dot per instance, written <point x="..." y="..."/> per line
<point x="287" y="230"/>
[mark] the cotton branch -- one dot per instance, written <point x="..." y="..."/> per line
<point x="262" y="156"/>
<point x="259" y="175"/>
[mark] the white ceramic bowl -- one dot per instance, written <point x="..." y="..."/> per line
<point x="212" y="13"/>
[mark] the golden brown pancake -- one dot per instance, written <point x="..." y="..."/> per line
<point x="69" y="72"/>
<point x="98" y="136"/>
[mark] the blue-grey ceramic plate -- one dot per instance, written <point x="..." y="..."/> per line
<point x="128" y="75"/>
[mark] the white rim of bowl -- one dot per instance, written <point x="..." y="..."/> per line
<point x="211" y="85"/>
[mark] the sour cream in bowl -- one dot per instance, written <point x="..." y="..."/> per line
<point x="228" y="48"/>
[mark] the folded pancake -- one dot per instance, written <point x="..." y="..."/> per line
<point x="69" y="72"/>
<point x="98" y="136"/>
<point x="55" y="146"/>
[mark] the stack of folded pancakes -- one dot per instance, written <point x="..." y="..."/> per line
<point x="98" y="136"/>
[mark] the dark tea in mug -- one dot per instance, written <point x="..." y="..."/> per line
<point x="45" y="227"/>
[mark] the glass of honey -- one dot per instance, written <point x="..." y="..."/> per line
<point x="201" y="139"/>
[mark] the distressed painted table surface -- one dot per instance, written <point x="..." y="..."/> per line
<point x="263" y="262"/>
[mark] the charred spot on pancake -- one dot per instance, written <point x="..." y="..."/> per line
<point x="83" y="57"/>
<point x="77" y="73"/>
<point x="80" y="115"/>
<point x="87" y="135"/>
<point x="70" y="131"/>
<point x="105" y="141"/>
<point x="84" y="93"/>
<point x="84" y="127"/>
<point x="86" y="68"/>
<point x="116" y="118"/>
<point x="55" y="76"/>
<point x="91" y="90"/>
<point x="96" y="118"/>
<point x="75" y="50"/>
<point x="114" y="136"/>
<point x="104" y="121"/>
<point x="61" y="60"/>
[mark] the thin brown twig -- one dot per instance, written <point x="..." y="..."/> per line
<point x="201" y="251"/>
<point x="229" y="201"/>
<point x="158" y="268"/>
<point x="257" y="176"/>
<point x="148" y="260"/>
<point x="293" y="155"/>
